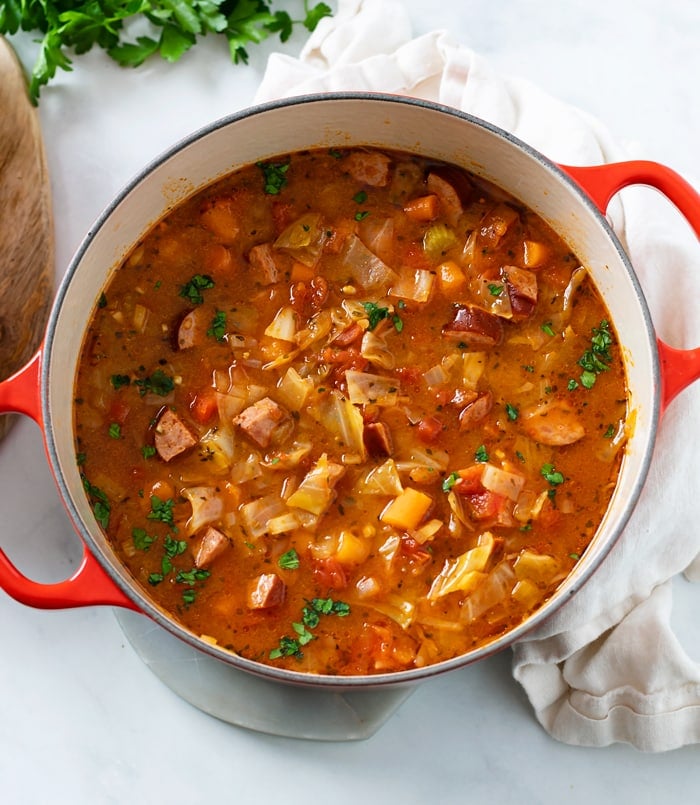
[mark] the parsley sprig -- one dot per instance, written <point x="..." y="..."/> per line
<point x="172" y="27"/>
<point x="310" y="619"/>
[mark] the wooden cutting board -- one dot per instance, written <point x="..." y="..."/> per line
<point x="26" y="228"/>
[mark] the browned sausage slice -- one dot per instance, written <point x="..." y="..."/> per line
<point x="474" y="326"/>
<point x="172" y="436"/>
<point x="212" y="544"/>
<point x="268" y="590"/>
<point x="377" y="439"/>
<point x="262" y="420"/>
<point x="369" y="167"/>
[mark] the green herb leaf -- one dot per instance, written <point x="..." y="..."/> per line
<point x="551" y="475"/>
<point x="218" y="326"/>
<point x="289" y="560"/>
<point x="481" y="454"/>
<point x="115" y="431"/>
<point x="158" y="383"/>
<point x="547" y="328"/>
<point x="100" y="503"/>
<point x="142" y="541"/>
<point x="495" y="289"/>
<point x="148" y="451"/>
<point x="192" y="290"/>
<point x="512" y="412"/>
<point x="275" y="176"/>
<point x="118" y="381"/>
<point x="450" y="481"/>
<point x="161" y="510"/>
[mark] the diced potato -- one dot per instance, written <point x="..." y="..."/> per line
<point x="466" y="571"/>
<point x="352" y="549"/>
<point x="534" y="253"/>
<point x="526" y="593"/>
<point x="539" y="568"/>
<point x="407" y="509"/>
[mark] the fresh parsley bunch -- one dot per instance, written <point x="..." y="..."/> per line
<point x="173" y="25"/>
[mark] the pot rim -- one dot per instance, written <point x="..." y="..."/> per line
<point x="579" y="576"/>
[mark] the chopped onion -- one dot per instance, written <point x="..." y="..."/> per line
<point x="381" y="480"/>
<point x="303" y="239"/>
<point x="366" y="269"/>
<point x="316" y="491"/>
<point x="375" y="349"/>
<point x="257" y="514"/>
<point x="365" y="388"/>
<point x="293" y="389"/>
<point x="343" y="420"/>
<point x="416" y="285"/>
<point x="284" y="325"/>
<point x="207" y="507"/>
<point x="501" y="482"/>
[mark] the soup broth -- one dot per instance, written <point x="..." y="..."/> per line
<point x="350" y="412"/>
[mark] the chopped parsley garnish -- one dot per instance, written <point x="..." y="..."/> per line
<point x="597" y="359"/>
<point x="610" y="432"/>
<point x="161" y="510"/>
<point x="572" y="385"/>
<point x="192" y="290"/>
<point x="360" y="197"/>
<point x="495" y="289"/>
<point x="481" y="454"/>
<point x="310" y="619"/>
<point x="142" y="541"/>
<point x="191" y="577"/>
<point x="289" y="560"/>
<point x="361" y="215"/>
<point x="174" y="547"/>
<point x="100" y="502"/>
<point x="115" y="431"/>
<point x="547" y="328"/>
<point x="158" y="383"/>
<point x="512" y="412"/>
<point x="551" y="475"/>
<point x="218" y="326"/>
<point x="275" y="176"/>
<point x="450" y="481"/>
<point x="148" y="451"/>
<point x="376" y="313"/>
<point x="118" y="381"/>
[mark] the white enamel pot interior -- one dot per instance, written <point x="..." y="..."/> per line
<point x="264" y="132"/>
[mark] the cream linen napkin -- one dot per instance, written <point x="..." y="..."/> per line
<point x="607" y="667"/>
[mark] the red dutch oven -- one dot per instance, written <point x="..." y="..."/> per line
<point x="573" y="200"/>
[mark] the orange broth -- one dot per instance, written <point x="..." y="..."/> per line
<point x="350" y="412"/>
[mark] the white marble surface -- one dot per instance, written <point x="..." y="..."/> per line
<point x="82" y="719"/>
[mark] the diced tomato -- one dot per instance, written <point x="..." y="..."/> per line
<point x="485" y="505"/>
<point x="470" y="480"/>
<point x="330" y="574"/>
<point x="413" y="256"/>
<point x="282" y="213"/>
<point x="409" y="375"/>
<point x="203" y="407"/>
<point x="414" y="551"/>
<point x="429" y="429"/>
<point x="118" y="411"/>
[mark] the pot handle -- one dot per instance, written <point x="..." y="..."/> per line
<point x="679" y="367"/>
<point x="89" y="585"/>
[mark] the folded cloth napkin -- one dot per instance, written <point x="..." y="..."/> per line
<point x="607" y="666"/>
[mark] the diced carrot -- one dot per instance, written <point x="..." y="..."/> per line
<point x="217" y="258"/>
<point x="407" y="509"/>
<point x="301" y="273"/>
<point x="424" y="208"/>
<point x="451" y="278"/>
<point x="203" y="408"/>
